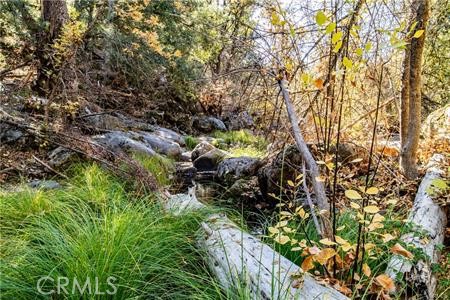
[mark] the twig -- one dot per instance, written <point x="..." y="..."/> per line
<point x="50" y="168"/>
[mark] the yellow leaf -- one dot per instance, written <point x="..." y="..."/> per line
<point x="359" y="51"/>
<point x="375" y="225"/>
<point x="302" y="214"/>
<point x="398" y="249"/>
<point x="352" y="194"/>
<point x="387" y="237"/>
<point x="372" y="191"/>
<point x="308" y="264"/>
<point x="281" y="239"/>
<point x="377" y="218"/>
<point x="273" y="230"/>
<point x="366" y="270"/>
<point x="371" y="209"/>
<point x="354" y="205"/>
<point x="336" y="37"/>
<point x="385" y="282"/>
<point x="330" y="28"/>
<point x="418" y="33"/>
<point x="285" y="213"/>
<point x="347" y="62"/>
<point x="337" y="47"/>
<point x="324" y="255"/>
<point x="340" y="228"/>
<point x="281" y="224"/>
<point x="327" y="242"/>
<point x="368" y="46"/>
<point x="321" y="18"/>
<point x="346" y="247"/>
<point x="340" y="240"/>
<point x="290" y="183"/>
<point x="320" y="178"/>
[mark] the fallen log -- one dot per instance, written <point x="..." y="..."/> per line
<point x="238" y="259"/>
<point x="429" y="220"/>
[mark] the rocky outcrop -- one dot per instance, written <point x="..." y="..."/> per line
<point x="208" y="124"/>
<point x="170" y="135"/>
<point x="201" y="149"/>
<point x="231" y="169"/>
<point x="118" y="141"/>
<point x="210" y="160"/>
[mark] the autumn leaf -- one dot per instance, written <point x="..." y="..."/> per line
<point x="321" y="18"/>
<point x="308" y="263"/>
<point x="371" y="209"/>
<point x="352" y="194"/>
<point x="327" y="242"/>
<point x="347" y="62"/>
<point x="336" y="37"/>
<point x="385" y="282"/>
<point x="281" y="239"/>
<point x="418" y="33"/>
<point x="398" y="249"/>
<point x="387" y="237"/>
<point x="290" y="183"/>
<point x="330" y="28"/>
<point x="318" y="83"/>
<point x="372" y="191"/>
<point x="324" y="255"/>
<point x="366" y="270"/>
<point x="340" y="240"/>
<point x="355" y="205"/>
<point x="273" y="230"/>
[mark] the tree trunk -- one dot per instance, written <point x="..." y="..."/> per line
<point x="429" y="221"/>
<point x="55" y="13"/>
<point x="410" y="115"/>
<point x="238" y="259"/>
<point x="319" y="188"/>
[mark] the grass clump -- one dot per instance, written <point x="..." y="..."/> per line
<point x="94" y="229"/>
<point x="191" y="142"/>
<point x="161" y="167"/>
<point x="240" y="142"/>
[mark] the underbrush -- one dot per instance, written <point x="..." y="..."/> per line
<point x="93" y="230"/>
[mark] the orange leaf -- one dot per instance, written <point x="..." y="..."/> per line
<point x="366" y="270"/>
<point x="386" y="282"/>
<point x="308" y="264"/>
<point x="318" y="83"/>
<point x="398" y="249"/>
<point x="325" y="255"/>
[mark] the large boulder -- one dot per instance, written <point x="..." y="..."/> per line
<point x="118" y="141"/>
<point x="170" y="135"/>
<point x="208" y="124"/>
<point x="210" y="160"/>
<point x="243" y="189"/>
<point x="231" y="169"/>
<point x="160" y="144"/>
<point x="437" y="124"/>
<point x="201" y="149"/>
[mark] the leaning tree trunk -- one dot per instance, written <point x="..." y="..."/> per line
<point x="411" y="91"/>
<point x="429" y="221"/>
<point x="238" y="259"/>
<point x="319" y="188"/>
<point x="55" y="13"/>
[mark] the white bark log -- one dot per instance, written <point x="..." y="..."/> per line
<point x="238" y="259"/>
<point x="430" y="219"/>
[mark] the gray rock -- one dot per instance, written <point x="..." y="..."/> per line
<point x="117" y="141"/>
<point x="185" y="173"/>
<point x="208" y="124"/>
<point x="201" y="149"/>
<point x="285" y="166"/>
<point x="210" y="160"/>
<point x="44" y="184"/>
<point x="170" y="135"/>
<point x="10" y="134"/>
<point x="61" y="156"/>
<point x="241" y="120"/>
<point x="159" y="144"/>
<point x="243" y="189"/>
<point x="237" y="167"/>
<point x="186" y="156"/>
